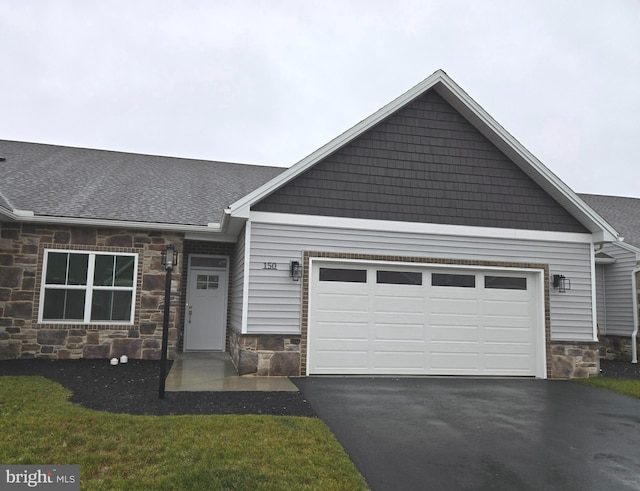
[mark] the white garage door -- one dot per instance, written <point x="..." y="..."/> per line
<point x="392" y="319"/>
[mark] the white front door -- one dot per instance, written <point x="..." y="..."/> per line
<point x="206" y="309"/>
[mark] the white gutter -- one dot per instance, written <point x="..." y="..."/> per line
<point x="634" y="335"/>
<point x="27" y="216"/>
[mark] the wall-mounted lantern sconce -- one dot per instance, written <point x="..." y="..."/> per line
<point x="561" y="283"/>
<point x="169" y="257"/>
<point x="295" y="270"/>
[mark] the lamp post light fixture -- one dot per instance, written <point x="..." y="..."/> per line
<point x="169" y="261"/>
<point x="169" y="257"/>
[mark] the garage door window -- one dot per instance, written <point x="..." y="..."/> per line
<point x="456" y="280"/>
<point x="343" y="275"/>
<point x="505" y="282"/>
<point x="399" y="277"/>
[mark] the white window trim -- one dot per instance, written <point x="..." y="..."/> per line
<point x="88" y="288"/>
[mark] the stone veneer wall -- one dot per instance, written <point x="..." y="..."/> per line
<point x="21" y="256"/>
<point x="574" y="360"/>
<point x="617" y="347"/>
<point x="265" y="355"/>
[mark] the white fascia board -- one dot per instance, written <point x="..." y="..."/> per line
<point x="242" y="206"/>
<point x="29" y="217"/>
<point x="416" y="227"/>
<point x="15" y="215"/>
<point x="631" y="248"/>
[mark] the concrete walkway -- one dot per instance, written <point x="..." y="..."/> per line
<point x="214" y="371"/>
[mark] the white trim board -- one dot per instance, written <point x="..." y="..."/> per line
<point x="416" y="228"/>
<point x="244" y="329"/>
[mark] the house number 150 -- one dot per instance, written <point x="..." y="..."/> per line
<point x="269" y="266"/>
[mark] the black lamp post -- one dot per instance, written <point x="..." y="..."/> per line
<point x="169" y="261"/>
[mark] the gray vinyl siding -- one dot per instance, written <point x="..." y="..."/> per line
<point x="237" y="283"/>
<point x="274" y="299"/>
<point x="617" y="317"/>
<point x="424" y="163"/>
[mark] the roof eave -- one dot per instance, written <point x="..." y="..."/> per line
<point x="630" y="248"/>
<point x="25" y="216"/>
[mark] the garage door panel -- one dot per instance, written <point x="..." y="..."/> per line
<point x="343" y="331"/>
<point x="507" y="322"/>
<point x="455" y="362"/>
<point x="378" y="327"/>
<point x="399" y="305"/>
<point x="457" y="333"/>
<point x="507" y="348"/>
<point x="454" y="347"/>
<point x="345" y="302"/>
<point x="398" y="360"/>
<point x="402" y="332"/>
<point x="452" y="321"/>
<point x="508" y="335"/>
<point x="515" y="308"/>
<point x="335" y="362"/>
<point x="497" y="361"/>
<point x="454" y="306"/>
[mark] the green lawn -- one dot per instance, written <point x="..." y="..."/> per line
<point x="622" y="386"/>
<point x="39" y="426"/>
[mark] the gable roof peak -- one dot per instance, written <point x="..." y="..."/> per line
<point x="469" y="109"/>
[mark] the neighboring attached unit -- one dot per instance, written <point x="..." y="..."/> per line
<point x="616" y="277"/>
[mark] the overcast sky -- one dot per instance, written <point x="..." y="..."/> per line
<point x="269" y="82"/>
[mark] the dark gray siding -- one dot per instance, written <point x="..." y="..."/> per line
<point x="425" y="163"/>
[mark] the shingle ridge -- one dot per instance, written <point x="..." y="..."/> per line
<point x="144" y="155"/>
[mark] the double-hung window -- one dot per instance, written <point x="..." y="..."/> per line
<point x="88" y="287"/>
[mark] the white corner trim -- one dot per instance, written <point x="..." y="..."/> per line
<point x="416" y="227"/>
<point x="245" y="281"/>
<point x="594" y="301"/>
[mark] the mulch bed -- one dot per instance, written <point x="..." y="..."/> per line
<point x="133" y="388"/>
<point x="619" y="369"/>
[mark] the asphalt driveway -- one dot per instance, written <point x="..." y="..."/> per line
<point x="451" y="433"/>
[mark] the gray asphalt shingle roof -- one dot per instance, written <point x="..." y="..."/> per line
<point x="622" y="213"/>
<point x="62" y="181"/>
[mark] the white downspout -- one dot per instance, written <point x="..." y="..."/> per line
<point x="634" y="335"/>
